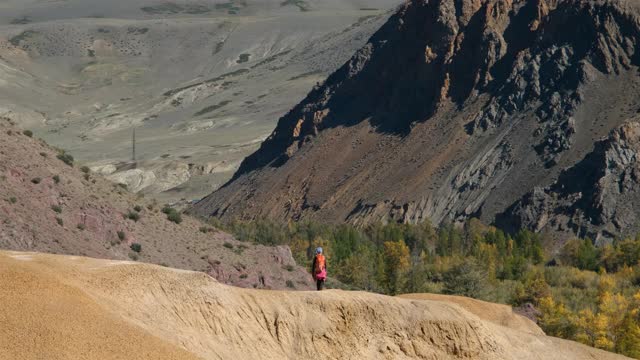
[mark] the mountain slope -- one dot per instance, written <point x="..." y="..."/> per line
<point x="454" y="109"/>
<point x="201" y="81"/>
<point x="49" y="206"/>
<point x="191" y="312"/>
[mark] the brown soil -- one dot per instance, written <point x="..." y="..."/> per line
<point x="70" y="304"/>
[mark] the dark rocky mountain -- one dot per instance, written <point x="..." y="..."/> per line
<point x="510" y="111"/>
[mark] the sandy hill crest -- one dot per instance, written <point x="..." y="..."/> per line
<point x="459" y="109"/>
<point x="62" y="307"/>
<point x="49" y="206"/>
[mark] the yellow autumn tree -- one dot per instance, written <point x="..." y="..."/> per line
<point x="628" y="337"/>
<point x="593" y="330"/>
<point x="555" y="319"/>
<point x="396" y="262"/>
<point x="605" y="328"/>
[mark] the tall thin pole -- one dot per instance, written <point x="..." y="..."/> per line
<point x="133" y="140"/>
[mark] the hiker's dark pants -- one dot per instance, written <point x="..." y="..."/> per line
<point x="320" y="284"/>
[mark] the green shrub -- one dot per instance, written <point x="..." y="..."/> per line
<point x="466" y="279"/>
<point x="65" y="158"/>
<point x="240" y="249"/>
<point x="56" y="179"/>
<point x="81" y="227"/>
<point x="228" y="245"/>
<point x="136" y="247"/>
<point x="43" y="154"/>
<point x="85" y="169"/>
<point x="36" y="180"/>
<point x="172" y="214"/>
<point x="28" y="133"/>
<point x="13" y="200"/>
<point x="137" y="208"/>
<point x="121" y="235"/>
<point x="244" y="276"/>
<point x="132" y="215"/>
<point x="59" y="221"/>
<point x="56" y="208"/>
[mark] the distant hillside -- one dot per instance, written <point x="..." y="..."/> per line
<point x="47" y="205"/>
<point x="461" y="109"/>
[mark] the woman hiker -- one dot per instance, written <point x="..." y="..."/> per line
<point x="319" y="269"/>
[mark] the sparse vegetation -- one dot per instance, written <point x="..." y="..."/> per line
<point x="81" y="227"/>
<point x="136" y="247"/>
<point x="85" y="169"/>
<point x="121" y="235"/>
<point x="25" y="35"/>
<point x="137" y="208"/>
<point x="243" y="58"/>
<point x="56" y="208"/>
<point x="28" y="133"/>
<point x="290" y="284"/>
<point x="132" y="215"/>
<point x="36" y="180"/>
<point x="172" y="214"/>
<point x="301" y="4"/>
<point x="212" y="108"/>
<point x="56" y="179"/>
<point x="65" y="158"/>
<point x="228" y="245"/>
<point x="169" y="8"/>
<point x="43" y="154"/>
<point x="205" y="229"/>
<point x="133" y="256"/>
<point x="13" y="200"/>
<point x="240" y="249"/>
<point x="59" y="221"/>
<point x="243" y="276"/>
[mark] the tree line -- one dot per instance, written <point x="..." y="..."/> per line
<point x="584" y="293"/>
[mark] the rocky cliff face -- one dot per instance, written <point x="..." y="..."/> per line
<point x="597" y="197"/>
<point x="453" y="109"/>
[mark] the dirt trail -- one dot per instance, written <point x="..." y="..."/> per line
<point x="99" y="309"/>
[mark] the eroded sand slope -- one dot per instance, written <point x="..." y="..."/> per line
<point x="78" y="308"/>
